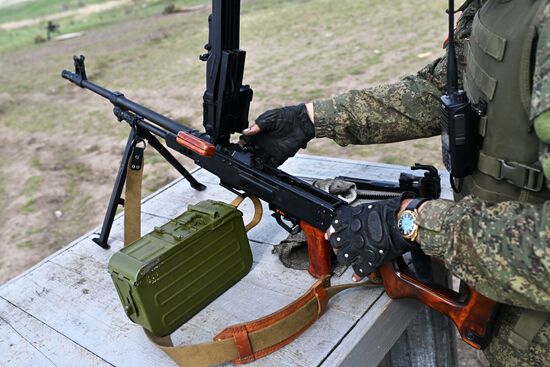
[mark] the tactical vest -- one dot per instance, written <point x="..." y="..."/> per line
<point x="499" y="63"/>
<point x="499" y="70"/>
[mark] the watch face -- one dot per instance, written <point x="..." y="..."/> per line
<point x="407" y="223"/>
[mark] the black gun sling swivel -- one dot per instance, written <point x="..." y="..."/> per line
<point x="240" y="343"/>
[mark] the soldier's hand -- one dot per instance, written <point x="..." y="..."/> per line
<point x="366" y="236"/>
<point x="279" y="133"/>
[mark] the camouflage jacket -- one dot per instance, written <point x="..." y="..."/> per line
<point x="501" y="249"/>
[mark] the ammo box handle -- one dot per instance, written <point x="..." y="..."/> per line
<point x="258" y="210"/>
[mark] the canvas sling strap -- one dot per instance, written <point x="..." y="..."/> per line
<point x="132" y="195"/>
<point x="240" y="343"/>
<point x="246" y="342"/>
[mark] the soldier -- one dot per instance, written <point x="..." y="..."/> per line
<point x="496" y="237"/>
<point x="51" y="27"/>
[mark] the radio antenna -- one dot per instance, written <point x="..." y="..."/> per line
<point x="452" y="70"/>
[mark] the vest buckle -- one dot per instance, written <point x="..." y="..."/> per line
<point x="527" y="177"/>
<point x="521" y="175"/>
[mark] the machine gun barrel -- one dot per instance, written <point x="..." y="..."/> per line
<point x="124" y="103"/>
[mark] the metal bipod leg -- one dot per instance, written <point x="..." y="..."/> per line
<point x="116" y="198"/>
<point x="155" y="143"/>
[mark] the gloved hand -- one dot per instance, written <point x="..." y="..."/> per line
<point x="282" y="132"/>
<point x="366" y="236"/>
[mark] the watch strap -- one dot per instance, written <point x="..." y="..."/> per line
<point x="415" y="203"/>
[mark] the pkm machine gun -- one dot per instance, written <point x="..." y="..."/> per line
<point x="226" y="103"/>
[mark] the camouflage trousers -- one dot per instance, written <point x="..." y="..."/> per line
<point x="501" y="354"/>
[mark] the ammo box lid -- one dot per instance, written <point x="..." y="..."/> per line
<point x="142" y="256"/>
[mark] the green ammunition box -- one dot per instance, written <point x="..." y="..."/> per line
<point x="170" y="274"/>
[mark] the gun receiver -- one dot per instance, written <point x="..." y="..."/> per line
<point x="226" y="103"/>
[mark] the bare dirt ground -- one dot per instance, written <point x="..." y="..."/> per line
<point x="60" y="146"/>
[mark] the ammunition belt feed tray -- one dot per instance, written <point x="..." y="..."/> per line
<point x="170" y="274"/>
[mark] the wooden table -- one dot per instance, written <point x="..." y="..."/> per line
<point x="65" y="311"/>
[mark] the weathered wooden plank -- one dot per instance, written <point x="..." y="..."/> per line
<point x="23" y="338"/>
<point x="374" y="334"/>
<point x="72" y="292"/>
<point x="16" y="351"/>
<point x="429" y="340"/>
<point x="83" y="311"/>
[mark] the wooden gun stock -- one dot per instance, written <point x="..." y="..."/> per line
<point x="472" y="313"/>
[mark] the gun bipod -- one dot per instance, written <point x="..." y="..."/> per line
<point x="136" y="135"/>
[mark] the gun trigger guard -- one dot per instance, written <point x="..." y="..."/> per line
<point x="292" y="230"/>
<point x="258" y="210"/>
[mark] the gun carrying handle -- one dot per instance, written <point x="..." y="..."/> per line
<point x="318" y="250"/>
<point x="258" y="210"/>
<point x="472" y="313"/>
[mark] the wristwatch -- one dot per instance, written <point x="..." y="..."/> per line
<point x="407" y="220"/>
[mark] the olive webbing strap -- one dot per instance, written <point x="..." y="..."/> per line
<point x="246" y="342"/>
<point x="527" y="326"/>
<point x="132" y="196"/>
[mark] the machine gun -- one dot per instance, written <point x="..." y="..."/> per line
<point x="295" y="203"/>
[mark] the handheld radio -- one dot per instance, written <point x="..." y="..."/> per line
<point x="458" y="120"/>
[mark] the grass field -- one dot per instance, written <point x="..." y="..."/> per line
<point x="61" y="145"/>
<point x="71" y="16"/>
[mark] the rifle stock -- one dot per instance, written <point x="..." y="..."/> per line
<point x="472" y="313"/>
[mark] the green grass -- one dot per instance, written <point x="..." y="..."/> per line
<point x="36" y="163"/>
<point x="25" y="244"/>
<point x="39" y="8"/>
<point x="392" y="159"/>
<point x="33" y="184"/>
<point x="27" y="207"/>
<point x="16" y="39"/>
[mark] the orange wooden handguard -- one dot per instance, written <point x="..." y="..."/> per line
<point x="472" y="313"/>
<point x="318" y="251"/>
<point x="195" y="144"/>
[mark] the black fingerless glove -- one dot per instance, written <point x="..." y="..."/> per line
<point x="366" y="236"/>
<point x="283" y="131"/>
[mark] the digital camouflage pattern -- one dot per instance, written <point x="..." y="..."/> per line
<point x="501" y="249"/>
<point x="405" y="110"/>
